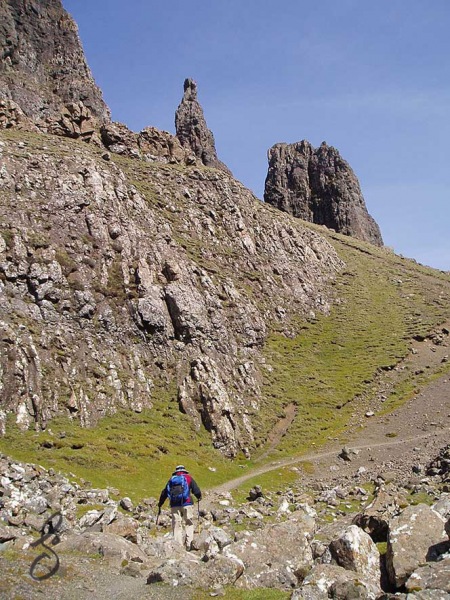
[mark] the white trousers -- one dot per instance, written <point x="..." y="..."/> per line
<point x="183" y="515"/>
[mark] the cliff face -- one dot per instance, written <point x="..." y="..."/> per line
<point x="43" y="68"/>
<point x="130" y="271"/>
<point x="118" y="279"/>
<point x="319" y="186"/>
<point x="192" y="131"/>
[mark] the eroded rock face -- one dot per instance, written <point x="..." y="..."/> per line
<point x="107" y="290"/>
<point x="192" y="130"/>
<point x="150" y="144"/>
<point x="43" y="68"/>
<point x="317" y="185"/>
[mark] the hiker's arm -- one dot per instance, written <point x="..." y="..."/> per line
<point x="196" y="490"/>
<point x="162" y="498"/>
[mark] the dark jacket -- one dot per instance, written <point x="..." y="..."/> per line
<point x="193" y="487"/>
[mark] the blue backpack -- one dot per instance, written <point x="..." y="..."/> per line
<point x="178" y="490"/>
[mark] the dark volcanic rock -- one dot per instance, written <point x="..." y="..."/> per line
<point x="192" y="130"/>
<point x="42" y="64"/>
<point x="317" y="185"/>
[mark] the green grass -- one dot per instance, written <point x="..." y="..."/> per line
<point x="135" y="453"/>
<point x="333" y="360"/>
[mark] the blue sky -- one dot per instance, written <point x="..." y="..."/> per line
<point x="370" y="78"/>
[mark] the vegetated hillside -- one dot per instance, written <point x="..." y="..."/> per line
<point x="125" y="282"/>
<point x="136" y="289"/>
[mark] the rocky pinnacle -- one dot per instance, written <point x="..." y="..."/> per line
<point x="192" y="130"/>
<point x="319" y="186"/>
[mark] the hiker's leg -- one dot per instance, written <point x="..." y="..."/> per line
<point x="177" y="524"/>
<point x="189" y="524"/>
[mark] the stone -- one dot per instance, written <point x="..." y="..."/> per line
<point x="431" y="576"/>
<point x="319" y="186"/>
<point x="355" y="551"/>
<point x="112" y="548"/>
<point x="126" y="504"/>
<point x="331" y="581"/>
<point x="376" y="515"/>
<point x="279" y="555"/>
<point x="190" y="571"/>
<point x="8" y="533"/>
<point x="255" y="493"/>
<point x="125" y="527"/>
<point x="415" y="537"/>
<point x="192" y="131"/>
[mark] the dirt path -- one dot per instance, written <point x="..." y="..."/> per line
<point x="280" y="429"/>
<point x="410" y="435"/>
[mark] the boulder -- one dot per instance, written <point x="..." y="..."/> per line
<point x="191" y="571"/>
<point x="355" y="551"/>
<point x="277" y="556"/>
<point x="125" y="527"/>
<point x="442" y="506"/>
<point x="8" y="533"/>
<point x="431" y="576"/>
<point x="332" y="581"/>
<point x="376" y="515"/>
<point x="415" y="537"/>
<point x="113" y="548"/>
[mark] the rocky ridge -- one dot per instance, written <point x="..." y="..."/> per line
<point x="126" y="263"/>
<point x="317" y="185"/>
<point x="98" y="266"/>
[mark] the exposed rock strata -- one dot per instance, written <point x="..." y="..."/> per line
<point x="107" y="291"/>
<point x="317" y="185"/>
<point x="192" y="130"/>
<point x="151" y="145"/>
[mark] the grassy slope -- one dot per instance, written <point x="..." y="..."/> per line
<point x="384" y="301"/>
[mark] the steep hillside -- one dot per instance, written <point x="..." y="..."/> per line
<point x="121" y="277"/>
<point x="149" y="298"/>
<point x="154" y="288"/>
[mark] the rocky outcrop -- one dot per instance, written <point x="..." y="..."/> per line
<point x="317" y="185"/>
<point x="192" y="131"/>
<point x="42" y="66"/>
<point x="151" y="145"/>
<point x="116" y="280"/>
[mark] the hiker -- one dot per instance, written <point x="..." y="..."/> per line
<point x="178" y="490"/>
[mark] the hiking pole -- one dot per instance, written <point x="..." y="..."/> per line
<point x="157" y="518"/>
<point x="198" y="519"/>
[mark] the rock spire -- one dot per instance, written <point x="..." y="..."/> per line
<point x="319" y="186"/>
<point x="192" y="130"/>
